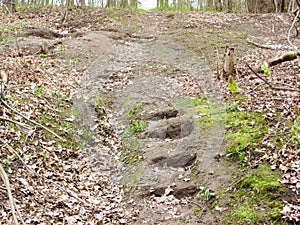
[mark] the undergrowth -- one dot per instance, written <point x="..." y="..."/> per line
<point x="131" y="135"/>
<point x="257" y="195"/>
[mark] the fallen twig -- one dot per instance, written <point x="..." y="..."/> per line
<point x="269" y="84"/>
<point x="11" y="199"/>
<point x="25" y="126"/>
<point x="31" y="121"/>
<point x="6" y="8"/>
<point x="13" y="151"/>
<point x="233" y="184"/>
<point x="43" y="178"/>
<point x="17" y="154"/>
<point x="288" y="56"/>
<point x="272" y="47"/>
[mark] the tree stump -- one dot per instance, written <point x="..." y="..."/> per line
<point x="228" y="65"/>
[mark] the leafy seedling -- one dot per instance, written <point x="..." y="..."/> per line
<point x="232" y="86"/>
<point x="265" y="69"/>
<point x="206" y="193"/>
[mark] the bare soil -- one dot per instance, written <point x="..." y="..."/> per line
<point x="160" y="61"/>
<point x="153" y="67"/>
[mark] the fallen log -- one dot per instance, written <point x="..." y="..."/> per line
<point x="288" y="56"/>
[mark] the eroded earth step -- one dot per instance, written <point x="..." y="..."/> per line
<point x="150" y="74"/>
<point x="174" y="146"/>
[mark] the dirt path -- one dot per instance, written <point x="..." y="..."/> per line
<point x="149" y="116"/>
<point x="177" y="150"/>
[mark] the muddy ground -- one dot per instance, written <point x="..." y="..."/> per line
<point x="157" y="62"/>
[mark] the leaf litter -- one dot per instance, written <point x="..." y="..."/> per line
<point x="52" y="184"/>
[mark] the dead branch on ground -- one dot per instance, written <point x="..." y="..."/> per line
<point x="31" y="121"/>
<point x="7" y="10"/>
<point x="11" y="198"/>
<point x="288" y="56"/>
<point x="272" y="47"/>
<point x="22" y="125"/>
<point x="269" y="84"/>
<point x="68" y="191"/>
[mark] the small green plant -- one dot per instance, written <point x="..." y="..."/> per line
<point x="232" y="86"/>
<point x="265" y="69"/>
<point x="45" y="156"/>
<point x="130" y="157"/>
<point x="231" y="108"/>
<point x="153" y="67"/>
<point x="209" y="31"/>
<point x="130" y="136"/>
<point x="4" y="40"/>
<point x="67" y="128"/>
<point x="43" y="56"/>
<point x="65" y="71"/>
<point x="40" y="90"/>
<point x="135" y="112"/>
<point x="9" y="160"/>
<point x="77" y="60"/>
<point x="87" y="135"/>
<point x="138" y="126"/>
<point x="206" y="193"/>
<point x="196" y="210"/>
<point x="131" y="144"/>
<point x="82" y="145"/>
<point x="25" y="207"/>
<point x="182" y="219"/>
<point x="296" y="129"/>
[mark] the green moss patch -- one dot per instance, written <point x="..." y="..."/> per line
<point x="256" y="198"/>
<point x="245" y="130"/>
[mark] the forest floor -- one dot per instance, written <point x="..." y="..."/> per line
<point x="145" y="132"/>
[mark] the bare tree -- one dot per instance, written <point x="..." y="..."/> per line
<point x="134" y="3"/>
<point x="111" y="3"/>
<point x="124" y="3"/>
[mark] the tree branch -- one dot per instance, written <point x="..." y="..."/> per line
<point x="31" y="121"/>
<point x="288" y="56"/>
<point x="11" y="198"/>
<point x="68" y="191"/>
<point x="25" y="126"/>
<point x="273" y="47"/>
<point x="269" y="84"/>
